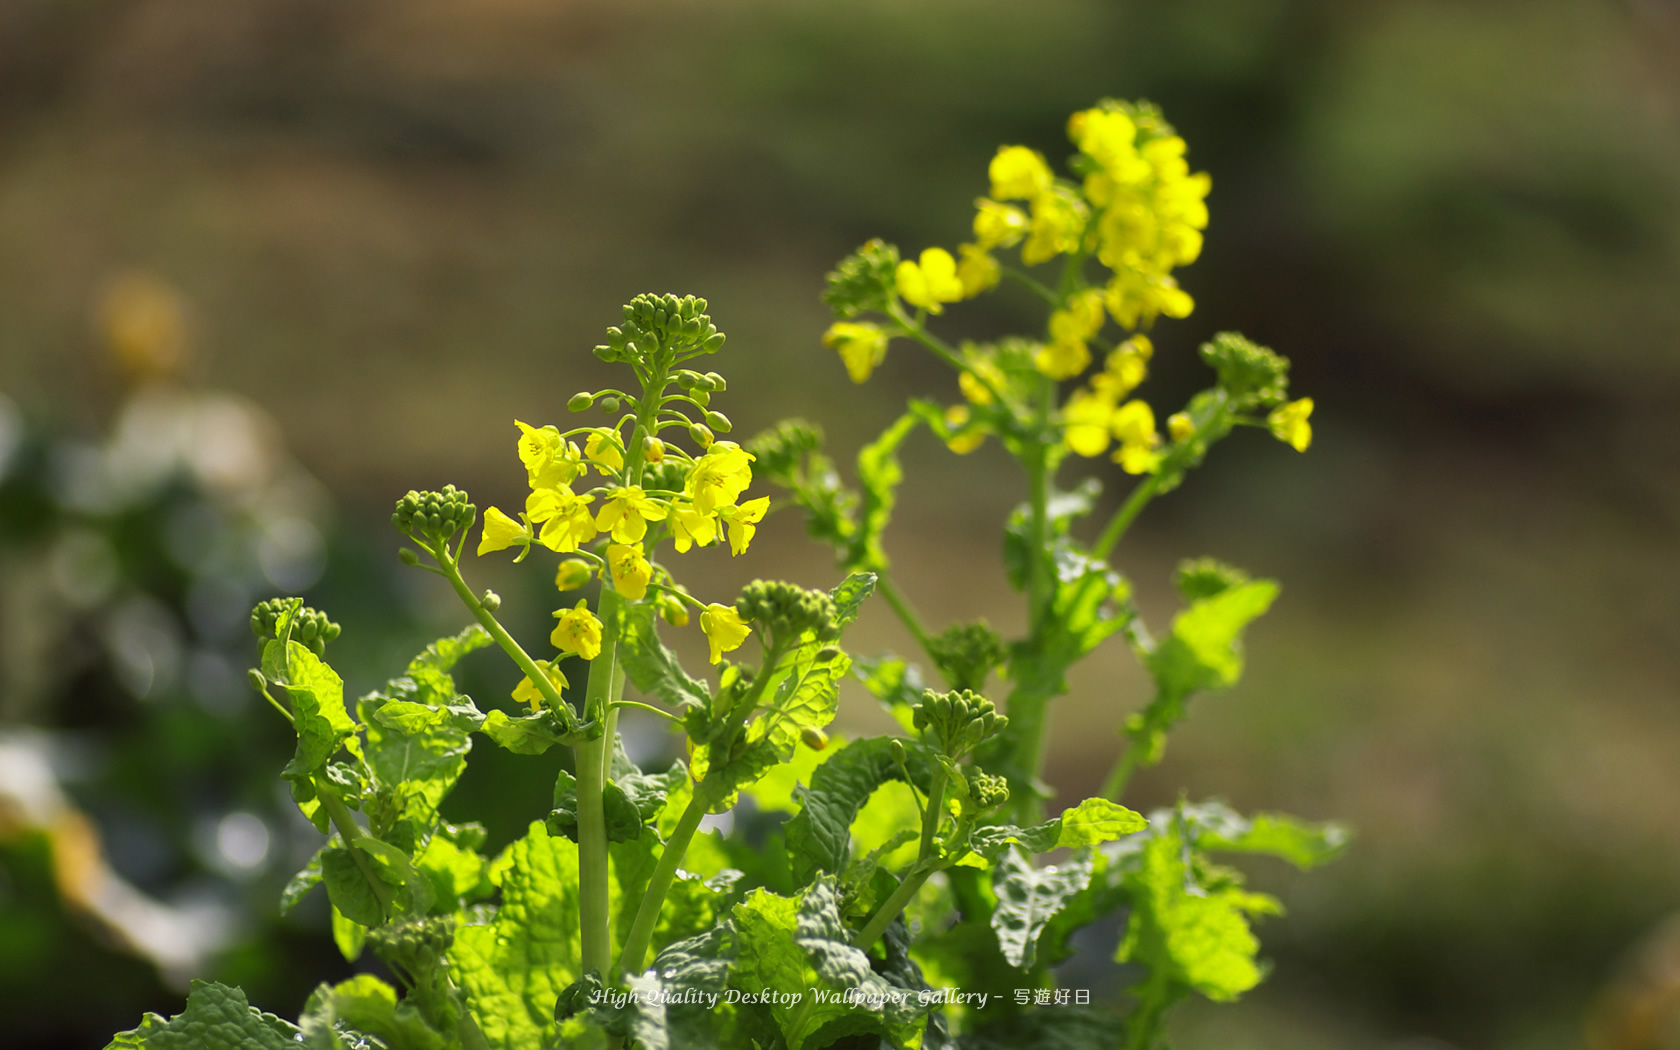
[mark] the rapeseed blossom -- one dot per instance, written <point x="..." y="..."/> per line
<point x="1288" y="423"/>
<point x="627" y="512"/>
<point x="502" y="532"/>
<point x="527" y="692"/>
<point x="862" y="346"/>
<point x="725" y="630"/>
<point x="743" y="522"/>
<point x="629" y="569"/>
<point x="719" y="477"/>
<point x="931" y="282"/>
<point x="579" y="631"/>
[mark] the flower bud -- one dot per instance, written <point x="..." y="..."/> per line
<point x="700" y="435"/>
<point x="701" y="395"/>
<point x="717" y="385"/>
<point x="653" y="450"/>
<point x="408" y="556"/>
<point x="258" y="682"/>
<point x="491" y="601"/>
<point x="815" y="739"/>
<point x="825" y="654"/>
<point x="580" y="401"/>
<point x="1180" y="426"/>
<point x="574" y="573"/>
<point x="609" y="405"/>
<point x="898" y="751"/>
<point x="673" y="610"/>
<point x="719" y="422"/>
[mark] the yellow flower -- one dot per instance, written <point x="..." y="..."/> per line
<point x="501" y="532"/>
<point x="1289" y="424"/>
<point x="526" y="691"/>
<point x="956" y="418"/>
<point x="602" y="450"/>
<point x="1136" y="298"/>
<point x="578" y="631"/>
<point x="573" y="573"/>
<point x="653" y="450"/>
<point x="1018" y="173"/>
<point x="719" y="477"/>
<point x="1125" y="368"/>
<point x="690" y="528"/>
<point x="1180" y="426"/>
<point x="626" y="513"/>
<point x="725" y="630"/>
<point x="998" y="225"/>
<point x="549" y="460"/>
<point x="743" y="522"/>
<point x="1058" y="221"/>
<point x="977" y="271"/>
<point x="1085" y="417"/>
<point x="564" y="516"/>
<point x="630" y="570"/>
<point x="1109" y="137"/>
<point x="1133" y="425"/>
<point x="1062" y="360"/>
<point x="982" y="369"/>
<point x="931" y="282"/>
<point x="862" y="346"/>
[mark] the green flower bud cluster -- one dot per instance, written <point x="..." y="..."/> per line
<point x="434" y="516"/>
<point x="659" y="328"/>
<point x="864" y="282"/>
<point x="416" y="944"/>
<point x="966" y="653"/>
<point x="987" y="791"/>
<point x="780" y="453"/>
<point x="1251" y="375"/>
<point x="1199" y="578"/>
<point x="311" y="627"/>
<point x="957" y="722"/>
<point x="788" y="611"/>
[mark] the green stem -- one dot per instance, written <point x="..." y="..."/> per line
<point x="661" y="712"/>
<point x="522" y="659"/>
<point x="1128" y="512"/>
<point x="351" y="833"/>
<point x="932" y="814"/>
<point x="941" y="349"/>
<point x="889" y="909"/>
<point x="1114" y="785"/>
<point x="589" y="763"/>
<point x="896" y="600"/>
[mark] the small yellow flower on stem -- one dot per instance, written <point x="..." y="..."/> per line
<point x="1062" y="360"/>
<point x="502" y="532"/>
<point x="982" y="370"/>
<point x="602" y="449"/>
<point x="1058" y="220"/>
<point x="743" y="522"/>
<point x="1289" y="424"/>
<point x="527" y="692"/>
<point x="1180" y="426"/>
<point x="956" y="418"/>
<point x="977" y="271"/>
<point x="690" y="528"/>
<point x="573" y="573"/>
<point x="1085" y="417"/>
<point x="862" y="346"/>
<point x="1018" y="173"/>
<point x="630" y="570"/>
<point x="1125" y="368"/>
<point x="564" y="516"/>
<point x="653" y="450"/>
<point x="725" y="630"/>
<point x="579" y="631"/>
<point x="1133" y="425"/>
<point x="719" y="477"/>
<point x="930" y="282"/>
<point x="549" y="459"/>
<point x="627" y="512"/>
<point x="998" y="225"/>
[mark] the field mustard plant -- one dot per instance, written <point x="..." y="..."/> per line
<point x="885" y="891"/>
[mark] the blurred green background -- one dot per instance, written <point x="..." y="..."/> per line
<point x="397" y="225"/>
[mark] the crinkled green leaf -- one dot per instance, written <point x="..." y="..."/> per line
<point x="801" y="946"/>
<point x="1305" y="845"/>
<point x="1197" y="935"/>
<point x="1093" y="821"/>
<point x="455" y="872"/>
<point x="1028" y="898"/>
<point x="217" y="1017"/>
<point x="348" y="935"/>
<point x="514" y="968"/>
<point x="348" y="887"/>
<point x="366" y="1006"/>
<point x="850" y="595"/>
<point x="819" y="835"/>
<point x="301" y="883"/>
<point x="879" y="473"/>
<point x="624" y="821"/>
<point x="777" y="790"/>
<point x="317" y="699"/>
<point x="525" y="735"/>
<point x="416" y="770"/>
<point x="653" y="668"/>
<point x="1204" y="650"/>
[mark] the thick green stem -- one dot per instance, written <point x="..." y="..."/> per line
<point x="889" y="909"/>
<point x="522" y="659"/>
<point x="932" y="814"/>
<point x="590" y="763"/>
<point x="941" y="349"/>
<point x="1128" y="512"/>
<point x="634" y="955"/>
<point x="1114" y="785"/>
<point x="896" y="600"/>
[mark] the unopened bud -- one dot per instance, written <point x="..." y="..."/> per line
<point x="717" y="385"/>
<point x="579" y="402"/>
<point x="258" y="682"/>
<point x="673" y="610"/>
<point x="408" y="556"/>
<point x="491" y="601"/>
<point x="609" y="405"/>
<point x="700" y="435"/>
<point x="1180" y="426"/>
<point x="719" y="422"/>
<point x="574" y="573"/>
<point x="898" y="751"/>
<point x="825" y="654"/>
<point x="653" y="450"/>
<point x="815" y="739"/>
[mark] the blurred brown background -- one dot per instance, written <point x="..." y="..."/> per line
<point x="400" y="224"/>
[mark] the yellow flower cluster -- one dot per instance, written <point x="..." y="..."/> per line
<point x="1098" y="413"/>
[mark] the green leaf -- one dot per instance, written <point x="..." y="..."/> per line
<point x="216" y="1017"/>
<point x="367" y="1006"/>
<point x="348" y="888"/>
<point x="897" y="684"/>
<point x="624" y="821"/>
<point x="1197" y="935"/>
<point x="1204" y="650"/>
<point x="455" y="873"/>
<point x="1028" y="898"/>
<point x="317" y="696"/>
<point x="416" y="770"/>
<point x="801" y="947"/>
<point x="514" y="968"/>
<point x="525" y="735"/>
<point x="653" y="668"/>
<point x="879" y="473"/>
<point x="819" y="835"/>
<point x="1305" y="845"/>
<point x="1093" y="821"/>
<point x="849" y="597"/>
<point x="301" y="883"/>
